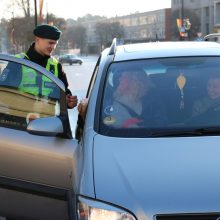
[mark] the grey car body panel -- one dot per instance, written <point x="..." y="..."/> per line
<point x="32" y="206"/>
<point x="31" y="158"/>
<point x="86" y="186"/>
<point x="158" y="175"/>
<point x="37" y="175"/>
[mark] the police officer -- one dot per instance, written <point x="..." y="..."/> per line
<point x="46" y="39"/>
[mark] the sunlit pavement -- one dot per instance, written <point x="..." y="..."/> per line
<point x="78" y="78"/>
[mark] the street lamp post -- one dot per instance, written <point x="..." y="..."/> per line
<point x="182" y="28"/>
<point x="35" y="9"/>
<point x="13" y="34"/>
<point x="182" y="11"/>
<point x="47" y="14"/>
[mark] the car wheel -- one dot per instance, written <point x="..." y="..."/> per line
<point x="80" y="63"/>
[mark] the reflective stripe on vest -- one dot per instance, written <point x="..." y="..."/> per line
<point x="35" y="83"/>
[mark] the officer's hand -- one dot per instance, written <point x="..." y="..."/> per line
<point x="71" y="101"/>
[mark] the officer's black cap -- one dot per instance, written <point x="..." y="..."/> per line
<point x="47" y="31"/>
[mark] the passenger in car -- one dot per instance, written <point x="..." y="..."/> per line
<point x="211" y="99"/>
<point x="135" y="104"/>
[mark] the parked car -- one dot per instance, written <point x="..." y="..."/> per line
<point x="137" y="157"/>
<point x="213" y="37"/>
<point x="70" y="59"/>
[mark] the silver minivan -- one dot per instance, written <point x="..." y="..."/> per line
<point x="147" y="148"/>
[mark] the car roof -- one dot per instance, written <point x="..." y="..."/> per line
<point x="166" y="49"/>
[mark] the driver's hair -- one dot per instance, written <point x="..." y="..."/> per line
<point x="132" y="74"/>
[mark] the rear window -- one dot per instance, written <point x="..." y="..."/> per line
<point x="162" y="97"/>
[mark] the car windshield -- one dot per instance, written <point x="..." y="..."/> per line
<point x="162" y="97"/>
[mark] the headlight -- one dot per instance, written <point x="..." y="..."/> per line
<point x="93" y="210"/>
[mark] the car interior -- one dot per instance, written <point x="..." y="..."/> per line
<point x="178" y="83"/>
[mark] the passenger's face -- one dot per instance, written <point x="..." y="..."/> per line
<point x="214" y="88"/>
<point x="45" y="46"/>
<point x="130" y="84"/>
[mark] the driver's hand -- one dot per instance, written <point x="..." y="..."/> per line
<point x="82" y="107"/>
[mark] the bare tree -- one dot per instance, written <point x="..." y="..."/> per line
<point x="20" y="26"/>
<point x="89" y="17"/>
<point x="75" y="37"/>
<point x="25" y="5"/>
<point x="107" y="31"/>
<point x="59" y="22"/>
<point x="20" y="30"/>
<point x="5" y="45"/>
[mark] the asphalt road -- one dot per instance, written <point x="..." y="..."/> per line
<point x="78" y="78"/>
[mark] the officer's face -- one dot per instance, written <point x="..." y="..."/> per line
<point x="45" y="46"/>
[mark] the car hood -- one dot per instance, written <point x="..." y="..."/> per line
<point x="158" y="175"/>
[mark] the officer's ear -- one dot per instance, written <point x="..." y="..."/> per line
<point x="36" y="39"/>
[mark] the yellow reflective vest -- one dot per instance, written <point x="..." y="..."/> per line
<point x="36" y="83"/>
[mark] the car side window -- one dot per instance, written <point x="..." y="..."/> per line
<point x="25" y="94"/>
<point x="93" y="78"/>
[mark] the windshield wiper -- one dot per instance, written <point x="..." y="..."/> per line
<point x="182" y="132"/>
<point x="209" y="130"/>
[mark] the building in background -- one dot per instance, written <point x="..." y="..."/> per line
<point x="217" y="15"/>
<point x="147" y="26"/>
<point x="138" y="27"/>
<point x="158" y="25"/>
<point x="92" y="41"/>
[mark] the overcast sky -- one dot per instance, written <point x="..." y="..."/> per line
<point x="78" y="8"/>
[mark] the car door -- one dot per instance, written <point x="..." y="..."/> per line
<point x="37" y="151"/>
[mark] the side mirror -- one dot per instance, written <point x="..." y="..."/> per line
<point x="50" y="126"/>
